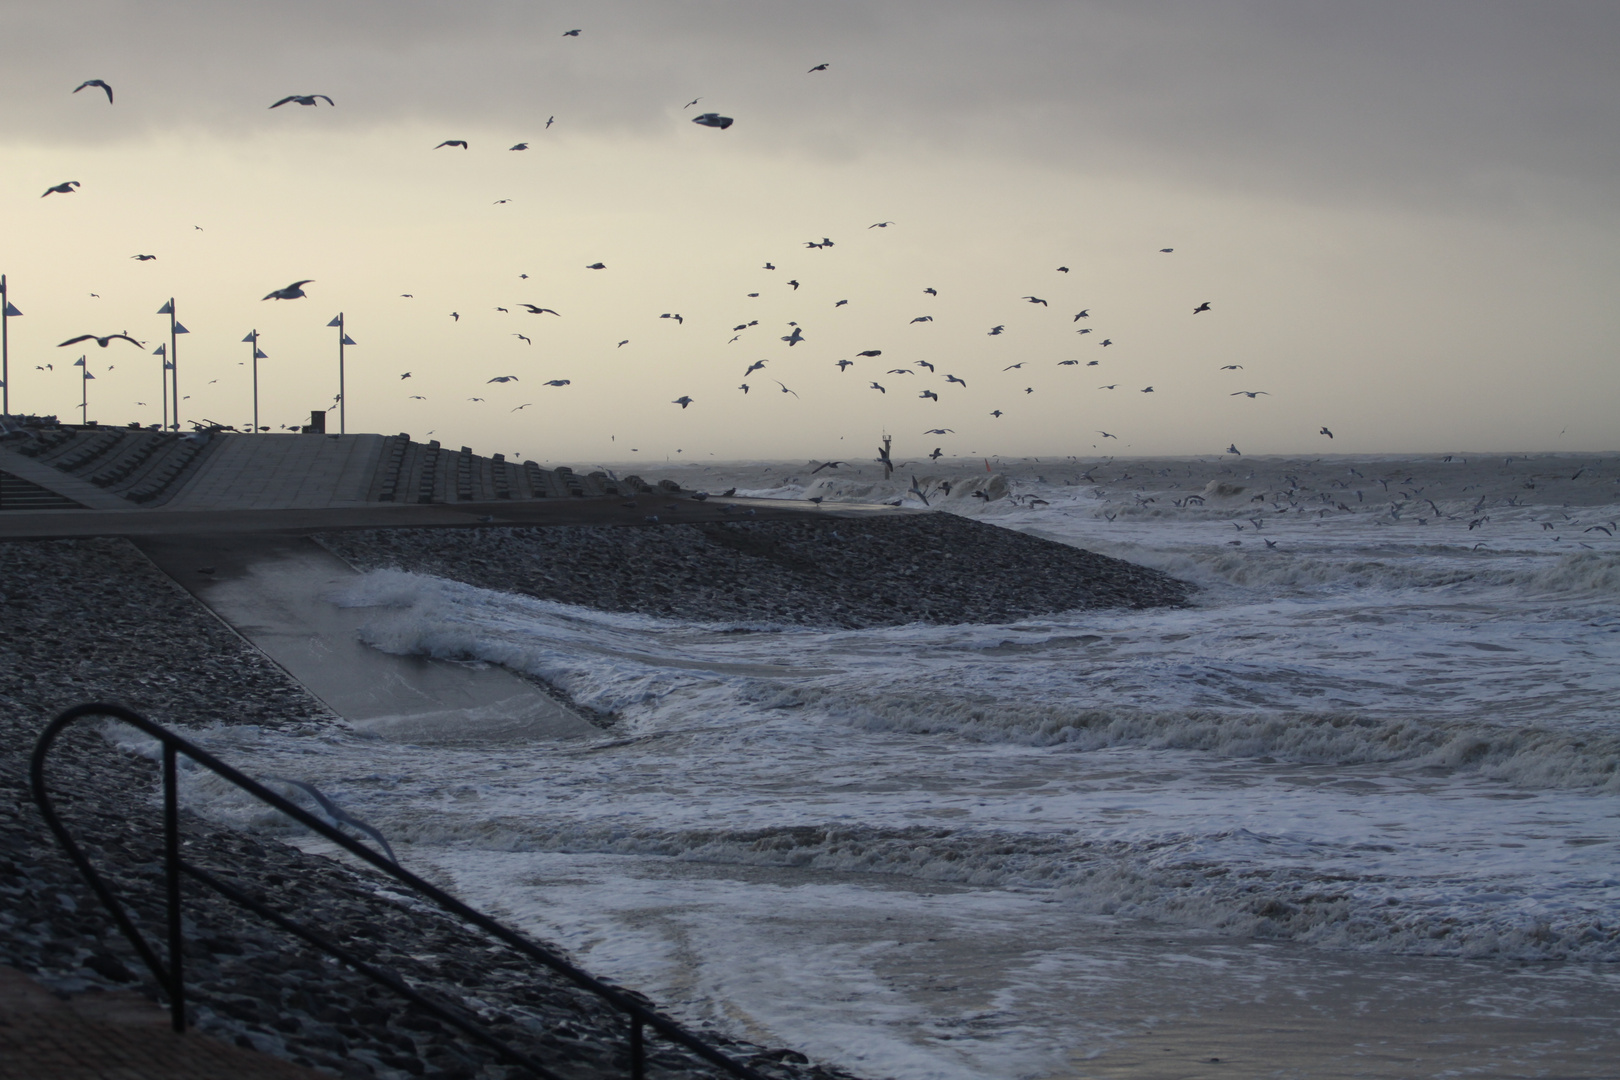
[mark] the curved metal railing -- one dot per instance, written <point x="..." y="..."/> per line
<point x="170" y="975"/>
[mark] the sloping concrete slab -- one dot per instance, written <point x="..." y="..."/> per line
<point x="273" y="472"/>
<point x="274" y="590"/>
<point x="80" y="491"/>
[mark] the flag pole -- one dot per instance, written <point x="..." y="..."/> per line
<point x="84" y="389"/>
<point x="6" y="312"/>
<point x="162" y="352"/>
<point x="343" y="397"/>
<point x="253" y="339"/>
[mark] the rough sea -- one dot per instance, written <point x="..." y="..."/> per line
<point x="1384" y="738"/>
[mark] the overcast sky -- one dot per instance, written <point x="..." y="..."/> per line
<point x="1403" y="216"/>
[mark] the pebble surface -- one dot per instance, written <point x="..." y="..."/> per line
<point x="89" y="620"/>
<point x="816" y="571"/>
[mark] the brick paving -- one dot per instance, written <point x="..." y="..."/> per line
<point x="114" y="1036"/>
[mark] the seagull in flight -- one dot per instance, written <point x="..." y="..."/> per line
<point x="622" y="344"/>
<point x="929" y="394"/>
<point x="523" y="406"/>
<point x="931" y="292"/>
<point x="64" y="188"/>
<point x="843" y="364"/>
<point x="102" y="341"/>
<point x="713" y="120"/>
<point x="525" y="340"/>
<point x="304" y="99"/>
<point x="143" y="258"/>
<point x="875" y="386"/>
<point x="755" y="366"/>
<point x="1250" y="394"/>
<point x="1166" y="251"/>
<point x="570" y="33"/>
<point x="1232" y="449"/>
<point x="541" y="310"/>
<point x="504" y="379"/>
<point x="1326" y="432"/>
<point x="675" y="316"/>
<point x="923" y="318"/>
<point x="291" y="292"/>
<point x="1231" y="367"/>
<point x="98" y="84"/>
<point x="785" y="390"/>
<point x="795" y="337"/>
<point x="1010" y="367"/>
<point x="1201" y="307"/>
<point x="519" y="146"/>
<point x="818" y="67"/>
<point x="452" y="142"/>
<point x="871" y="352"/>
<point x="1106" y="435"/>
<point x="840" y="304"/>
<point x="683" y="401"/>
<point x="995" y="330"/>
<point x="406" y="375"/>
<point x="557" y="382"/>
<point x="940" y="431"/>
<point x="954" y="379"/>
<point x="691" y="103"/>
<point x="1035" y="300"/>
<point x="880" y="225"/>
<point x="1086" y="314"/>
<point x="550" y="120"/>
<point x="997" y="413"/>
<point x="901" y="371"/>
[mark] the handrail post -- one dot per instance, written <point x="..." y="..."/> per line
<point x="171" y="864"/>
<point x="638" y="1051"/>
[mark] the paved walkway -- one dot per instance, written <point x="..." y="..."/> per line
<point x="114" y="1036"/>
<point x="266" y="472"/>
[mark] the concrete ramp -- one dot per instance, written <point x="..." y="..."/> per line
<point x="273" y="590"/>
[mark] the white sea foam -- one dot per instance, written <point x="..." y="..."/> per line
<point x="1383" y="734"/>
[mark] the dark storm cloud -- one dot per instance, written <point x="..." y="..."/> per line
<point x="1467" y="101"/>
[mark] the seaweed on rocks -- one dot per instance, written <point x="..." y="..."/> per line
<point x="84" y="620"/>
<point x="819" y="570"/>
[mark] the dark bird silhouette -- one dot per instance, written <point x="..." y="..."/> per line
<point x="504" y="379"/>
<point x="570" y="33"/>
<point x="931" y="292"/>
<point x="794" y="338"/>
<point x="102" y="341"/>
<point x="519" y="146"/>
<point x="785" y="390"/>
<point x="1201" y="307"/>
<point x="1147" y="389"/>
<point x="683" y="401"/>
<point x="842" y="364"/>
<point x="936" y="455"/>
<point x="795" y="285"/>
<point x="523" y="339"/>
<point x="1326" y="432"/>
<point x="1166" y="251"/>
<point x="673" y="315"/>
<point x="1250" y="394"/>
<point x="456" y="315"/>
<point x="597" y="266"/>
<point x="540" y="310"/>
<point x="1105" y="435"/>
<point x="691" y="103"/>
<point x="1063" y="269"/>
<point x="743" y="387"/>
<point x="929" y="394"/>
<point x="523" y="406"/>
<point x="304" y="99"/>
<point x="557" y="382"/>
<point x="871" y="352"/>
<point x="840" y="304"/>
<point x="827" y="465"/>
<point x="954" y="379"/>
<point x="99" y="85"/>
<point x="880" y="225"/>
<point x="1068" y="363"/>
<point x="143" y="258"/>
<point x="997" y="413"/>
<point x="923" y="318"/>
<point x="713" y="120"/>
<point x="996" y="330"/>
<point x="875" y="386"/>
<point x="406" y="375"/>
<point x="1086" y="314"/>
<point x="1106" y="342"/>
<point x="1110" y="386"/>
<point x="755" y="366"/>
<point x="1010" y="367"/>
<point x="549" y="121"/>
<point x="940" y="431"/>
<point x="417" y="397"/>
<point x="1232" y="449"/>
<point x="452" y="142"/>
<point x="1035" y="300"/>
<point x="291" y="292"/>
<point x="818" y="67"/>
<point x="64" y="188"/>
<point x="622" y="344"/>
<point x="1231" y="367"/>
<point x="500" y="202"/>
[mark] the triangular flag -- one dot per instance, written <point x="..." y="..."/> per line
<point x="167" y="366"/>
<point x="79" y="362"/>
<point x="337" y="321"/>
<point x="260" y="354"/>
<point x="87" y="374"/>
<point x="166" y="309"/>
<point x="11" y="310"/>
<point x="253" y="335"/>
<point x="347" y="340"/>
<point x="161" y="350"/>
<point x="180" y="329"/>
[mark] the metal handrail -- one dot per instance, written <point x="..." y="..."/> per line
<point x="171" y="976"/>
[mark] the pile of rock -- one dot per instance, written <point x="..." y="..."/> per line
<point x="818" y="570"/>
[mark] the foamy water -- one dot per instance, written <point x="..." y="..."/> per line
<point x="1391" y="731"/>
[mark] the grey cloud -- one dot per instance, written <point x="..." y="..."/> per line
<point x="1450" y="101"/>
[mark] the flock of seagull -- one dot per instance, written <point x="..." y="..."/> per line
<point x="880" y="381"/>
